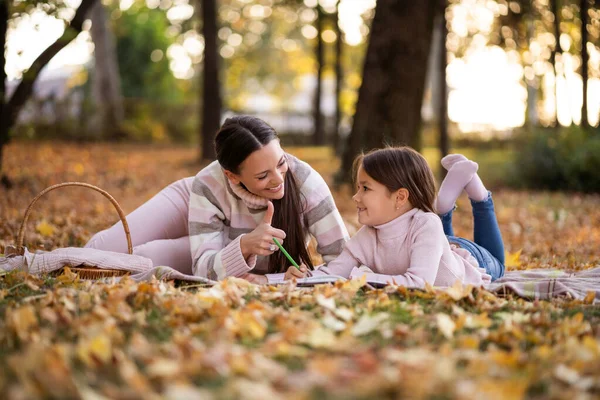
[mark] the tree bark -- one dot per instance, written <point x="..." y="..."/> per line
<point x="443" y="101"/>
<point x="583" y="7"/>
<point x="391" y="95"/>
<point x="4" y="15"/>
<point x="108" y="101"/>
<point x="532" y="92"/>
<point x="339" y="79"/>
<point x="555" y="9"/>
<point x="319" y="133"/>
<point x="210" y="102"/>
<point x="11" y="108"/>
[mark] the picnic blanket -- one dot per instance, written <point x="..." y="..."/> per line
<point x="141" y="268"/>
<point x="545" y="284"/>
<point x="534" y="284"/>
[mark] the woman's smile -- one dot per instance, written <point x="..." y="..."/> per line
<point x="276" y="188"/>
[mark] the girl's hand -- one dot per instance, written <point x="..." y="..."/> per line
<point x="255" y="278"/>
<point x="293" y="272"/>
<point x="260" y="240"/>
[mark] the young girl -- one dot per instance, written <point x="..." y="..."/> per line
<point x="222" y="222"/>
<point x="403" y="240"/>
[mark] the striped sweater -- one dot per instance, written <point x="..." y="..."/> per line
<point x="221" y="212"/>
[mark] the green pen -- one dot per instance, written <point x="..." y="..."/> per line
<point x="286" y="254"/>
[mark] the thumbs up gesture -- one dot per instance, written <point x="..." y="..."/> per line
<point x="260" y="240"/>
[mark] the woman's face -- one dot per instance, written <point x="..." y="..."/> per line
<point x="263" y="172"/>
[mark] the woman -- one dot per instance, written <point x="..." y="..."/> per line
<point x="221" y="223"/>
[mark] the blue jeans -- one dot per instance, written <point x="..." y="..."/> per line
<point x="488" y="247"/>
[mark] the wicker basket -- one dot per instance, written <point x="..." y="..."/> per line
<point x="82" y="272"/>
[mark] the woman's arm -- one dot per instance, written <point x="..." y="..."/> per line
<point x="210" y="257"/>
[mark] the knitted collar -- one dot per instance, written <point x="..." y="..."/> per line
<point x="396" y="227"/>
<point x="250" y="199"/>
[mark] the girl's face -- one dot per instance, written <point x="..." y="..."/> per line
<point x="263" y="172"/>
<point x="376" y="205"/>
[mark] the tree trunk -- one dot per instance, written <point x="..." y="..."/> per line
<point x="555" y="11"/>
<point x="391" y="95"/>
<point x="339" y="79"/>
<point x="11" y="108"/>
<point x="4" y="15"/>
<point x="210" y="102"/>
<point x="583" y="7"/>
<point x="532" y="91"/>
<point x="319" y="133"/>
<point x="443" y="101"/>
<point x="106" y="90"/>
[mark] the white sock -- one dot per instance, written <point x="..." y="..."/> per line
<point x="475" y="189"/>
<point x="451" y="159"/>
<point x="459" y="175"/>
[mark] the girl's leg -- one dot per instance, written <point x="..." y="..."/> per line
<point x="174" y="253"/>
<point x="454" y="183"/>
<point x="485" y="226"/>
<point x="475" y="188"/>
<point x="447" y="223"/>
<point x="484" y="258"/>
<point x="164" y="216"/>
<point x="457" y="178"/>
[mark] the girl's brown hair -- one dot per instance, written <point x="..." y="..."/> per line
<point x="239" y="137"/>
<point x="400" y="167"/>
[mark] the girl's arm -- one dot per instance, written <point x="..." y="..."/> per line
<point x="425" y="255"/>
<point x="341" y="266"/>
<point x="210" y="257"/>
<point x="352" y="256"/>
<point x="357" y="252"/>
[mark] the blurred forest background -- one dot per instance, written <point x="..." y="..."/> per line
<point x="128" y="94"/>
<point x="513" y="84"/>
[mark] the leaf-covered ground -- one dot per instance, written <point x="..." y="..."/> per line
<point x="65" y="338"/>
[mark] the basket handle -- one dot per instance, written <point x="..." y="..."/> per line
<point x="21" y="236"/>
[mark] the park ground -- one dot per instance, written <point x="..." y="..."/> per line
<point x="61" y="337"/>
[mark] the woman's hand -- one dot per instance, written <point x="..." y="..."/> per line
<point x="294" y="272"/>
<point x="260" y="240"/>
<point x="255" y="278"/>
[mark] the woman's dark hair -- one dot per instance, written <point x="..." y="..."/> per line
<point x="239" y="137"/>
<point x="400" y="167"/>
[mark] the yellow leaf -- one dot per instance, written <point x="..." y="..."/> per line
<point x="367" y="323"/>
<point x="96" y="349"/>
<point x="44" y="228"/>
<point x="478" y="321"/>
<point x="445" y="325"/>
<point x="67" y="277"/>
<point x="164" y="368"/>
<point x="507" y="359"/>
<point x="79" y="169"/>
<point x="250" y="324"/>
<point x="469" y="342"/>
<point x="577" y="318"/>
<point x="458" y="291"/>
<point x="22" y="320"/>
<point x="512" y="259"/>
<point x="429" y="288"/>
<point x="543" y="352"/>
<point x="589" y="297"/>
<point x="319" y="337"/>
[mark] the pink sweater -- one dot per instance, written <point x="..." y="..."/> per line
<point x="409" y="250"/>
